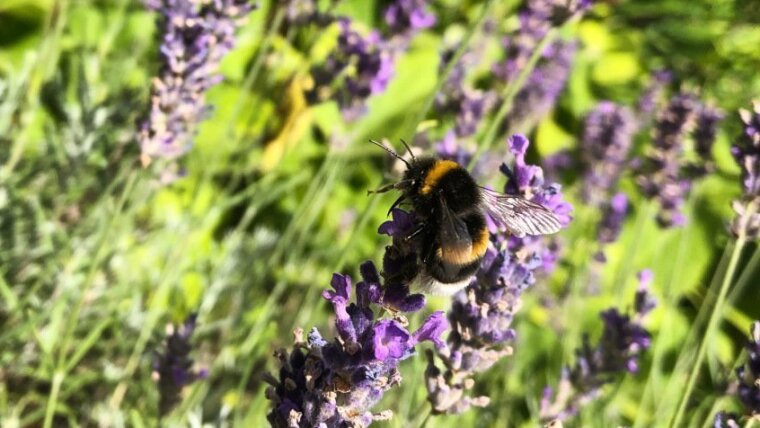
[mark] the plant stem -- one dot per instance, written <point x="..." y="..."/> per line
<point x="715" y="317"/>
<point x="509" y="93"/>
<point x="444" y="76"/>
<point x="51" y="404"/>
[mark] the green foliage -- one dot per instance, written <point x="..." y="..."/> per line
<point x="96" y="256"/>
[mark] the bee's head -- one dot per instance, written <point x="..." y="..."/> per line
<point x="415" y="174"/>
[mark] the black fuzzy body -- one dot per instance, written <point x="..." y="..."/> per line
<point x="451" y="191"/>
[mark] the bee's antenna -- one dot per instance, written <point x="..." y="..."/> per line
<point x="391" y="152"/>
<point x="408" y="149"/>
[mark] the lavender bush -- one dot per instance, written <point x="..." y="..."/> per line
<point x="624" y="339"/>
<point x="196" y="36"/>
<point x="94" y="255"/>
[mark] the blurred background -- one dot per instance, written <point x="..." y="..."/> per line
<point x="104" y="239"/>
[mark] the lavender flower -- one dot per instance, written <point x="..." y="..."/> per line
<point x="726" y="420"/>
<point x="400" y="264"/>
<point x="651" y="96"/>
<point x="749" y="375"/>
<point x="336" y="383"/>
<point x="196" y="36"/>
<point x="481" y="315"/>
<point x="172" y="366"/>
<point x="457" y="98"/>
<point x="543" y="86"/>
<point x="613" y="216"/>
<point x="706" y="128"/>
<point x="358" y="68"/>
<point x="661" y="176"/>
<point x="747" y="155"/>
<point x="536" y="19"/>
<point x="406" y="17"/>
<point x="623" y="341"/>
<point x="748" y="389"/>
<point x="607" y="136"/>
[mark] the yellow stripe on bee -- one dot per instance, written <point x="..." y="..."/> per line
<point x="480" y="245"/>
<point x="465" y="255"/>
<point x="436" y="172"/>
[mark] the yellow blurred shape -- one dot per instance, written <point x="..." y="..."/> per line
<point x="616" y="68"/>
<point x="550" y="138"/>
<point x="297" y="120"/>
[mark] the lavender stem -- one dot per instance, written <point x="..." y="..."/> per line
<point x="715" y="316"/>
<point x="509" y="93"/>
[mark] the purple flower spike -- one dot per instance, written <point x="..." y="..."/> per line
<point x="195" y="39"/>
<point x="543" y="86"/>
<point x="366" y="65"/>
<point x="748" y="376"/>
<point x="662" y="176"/>
<point x="705" y="130"/>
<point x="747" y="154"/>
<point x="459" y="100"/>
<point x="607" y="137"/>
<point x="339" y="298"/>
<point x="336" y="383"/>
<point x="369" y="290"/>
<point x="613" y="216"/>
<point x="172" y="366"/>
<point x="650" y="99"/>
<point x="537" y="17"/>
<point x="481" y="316"/>
<point x="400" y="263"/>
<point x="623" y="341"/>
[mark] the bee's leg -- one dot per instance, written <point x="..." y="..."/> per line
<point x="416" y="232"/>
<point x="383" y="189"/>
<point x="397" y="203"/>
<point x="398" y="185"/>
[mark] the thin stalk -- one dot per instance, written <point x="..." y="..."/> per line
<point x="744" y="278"/>
<point x="460" y="51"/>
<point x="659" y="347"/>
<point x="508" y="95"/>
<point x="53" y="401"/>
<point x="715" y="316"/>
<point x="693" y="334"/>
<point x="424" y="422"/>
<point x="645" y="214"/>
<point x="102" y="239"/>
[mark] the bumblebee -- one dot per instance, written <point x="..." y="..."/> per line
<point x="452" y="207"/>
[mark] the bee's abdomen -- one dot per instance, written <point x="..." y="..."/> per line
<point x="451" y="263"/>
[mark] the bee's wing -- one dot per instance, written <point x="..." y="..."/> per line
<point x="520" y="216"/>
<point x="455" y="239"/>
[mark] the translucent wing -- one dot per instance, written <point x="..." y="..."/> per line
<point x="520" y="216"/>
<point x="456" y="241"/>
